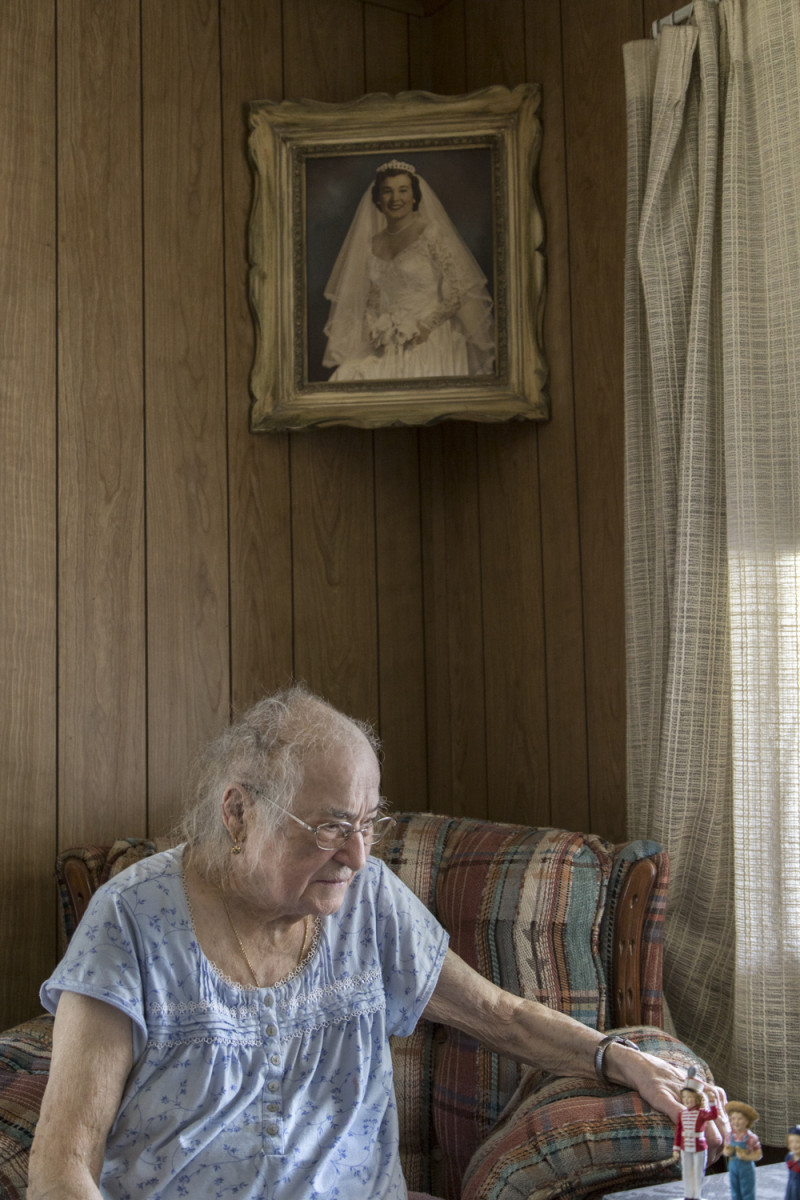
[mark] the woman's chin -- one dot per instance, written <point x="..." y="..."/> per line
<point x="328" y="895"/>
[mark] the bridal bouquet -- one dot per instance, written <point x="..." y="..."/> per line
<point x="388" y="330"/>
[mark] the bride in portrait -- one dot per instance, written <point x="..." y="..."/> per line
<point x="407" y="297"/>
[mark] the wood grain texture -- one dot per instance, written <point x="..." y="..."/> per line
<point x="28" y="817"/>
<point x="333" y="502"/>
<point x="510" y="532"/>
<point x="323" y="47"/>
<point x="386" y="50"/>
<point x="595" y="140"/>
<point x="187" y="515"/>
<point x="333" y="522"/>
<point x="517" y="752"/>
<point x="454" y="665"/>
<point x="259" y="489"/>
<point x="562" y="594"/>
<point x="102" y="765"/>
<point x="460" y="585"/>
<point x="495" y="48"/>
<point x="400" y="629"/>
<point x="448" y="34"/>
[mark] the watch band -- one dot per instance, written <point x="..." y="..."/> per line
<point x="600" y="1054"/>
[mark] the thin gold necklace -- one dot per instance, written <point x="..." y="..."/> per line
<point x="241" y="944"/>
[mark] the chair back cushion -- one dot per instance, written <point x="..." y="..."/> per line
<point x="524" y="907"/>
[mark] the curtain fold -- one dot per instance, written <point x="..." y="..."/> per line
<point x="712" y="355"/>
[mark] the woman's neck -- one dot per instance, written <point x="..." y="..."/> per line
<point x="395" y="227"/>
<point x="243" y="943"/>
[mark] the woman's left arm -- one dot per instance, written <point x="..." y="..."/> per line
<point x="542" y="1037"/>
<point x="450" y="288"/>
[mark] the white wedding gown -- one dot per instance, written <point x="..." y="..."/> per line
<point x="420" y="285"/>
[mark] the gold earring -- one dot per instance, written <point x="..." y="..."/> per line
<point x="236" y="848"/>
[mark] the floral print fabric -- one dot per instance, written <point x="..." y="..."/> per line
<point x="283" y="1092"/>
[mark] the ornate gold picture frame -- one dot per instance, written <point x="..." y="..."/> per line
<point x="351" y="331"/>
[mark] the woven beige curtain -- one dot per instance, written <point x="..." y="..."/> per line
<point x="713" y="527"/>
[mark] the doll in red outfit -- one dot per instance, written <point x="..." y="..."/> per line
<point x="690" y="1141"/>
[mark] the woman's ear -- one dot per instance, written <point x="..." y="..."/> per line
<point x="236" y="804"/>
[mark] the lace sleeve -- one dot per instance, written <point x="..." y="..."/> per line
<point x="452" y="287"/>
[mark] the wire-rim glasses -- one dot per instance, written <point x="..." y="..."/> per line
<point x="332" y="835"/>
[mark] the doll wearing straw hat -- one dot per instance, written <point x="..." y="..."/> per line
<point x="690" y="1141"/>
<point x="742" y="1149"/>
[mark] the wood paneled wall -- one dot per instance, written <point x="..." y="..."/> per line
<point x="459" y="585"/>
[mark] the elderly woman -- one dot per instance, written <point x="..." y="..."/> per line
<point x="224" y="1009"/>
<point x="408" y="299"/>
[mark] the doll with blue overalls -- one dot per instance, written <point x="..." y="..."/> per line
<point x="742" y="1149"/>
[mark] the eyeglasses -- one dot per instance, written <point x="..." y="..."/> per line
<point x="332" y="835"/>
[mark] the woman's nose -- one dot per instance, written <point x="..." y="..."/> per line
<point x="353" y="852"/>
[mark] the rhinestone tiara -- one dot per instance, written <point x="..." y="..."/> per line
<point x="395" y="165"/>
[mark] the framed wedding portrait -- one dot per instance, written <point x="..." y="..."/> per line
<point x="396" y="260"/>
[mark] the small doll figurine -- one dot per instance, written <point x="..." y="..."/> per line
<point x="793" y="1163"/>
<point x="690" y="1141"/>
<point x="743" y="1150"/>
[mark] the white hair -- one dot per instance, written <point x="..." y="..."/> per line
<point x="264" y="751"/>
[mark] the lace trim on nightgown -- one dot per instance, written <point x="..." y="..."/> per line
<point x="246" y="987"/>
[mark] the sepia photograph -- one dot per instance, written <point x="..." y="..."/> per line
<point x="400" y="272"/>
<point x="396" y="260"/>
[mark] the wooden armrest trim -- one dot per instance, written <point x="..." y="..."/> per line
<point x="632" y="908"/>
<point x="79" y="886"/>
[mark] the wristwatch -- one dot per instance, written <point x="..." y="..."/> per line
<point x="600" y="1054"/>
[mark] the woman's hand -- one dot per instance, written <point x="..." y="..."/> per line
<point x="659" y="1083"/>
<point x="422" y="335"/>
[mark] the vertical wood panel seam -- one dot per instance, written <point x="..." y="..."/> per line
<point x="426" y="726"/>
<point x="57" y="506"/>
<point x="293" y="599"/>
<point x="282" y="36"/>
<point x="481" y="600"/>
<point x="225" y="358"/>
<point x="542" y="593"/>
<point x="424" y="606"/>
<point x="579" y="530"/>
<point x="375" y="558"/>
<point x="145" y="571"/>
<point x="56" y="747"/>
<point x="290" y="436"/>
<point x="543" y="608"/>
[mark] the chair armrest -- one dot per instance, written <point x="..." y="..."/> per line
<point x="81" y="870"/>
<point x="627" y="965"/>
<point x="79" y="885"/>
<point x="569" y="1137"/>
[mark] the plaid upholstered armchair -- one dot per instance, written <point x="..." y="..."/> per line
<point x="564" y="918"/>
